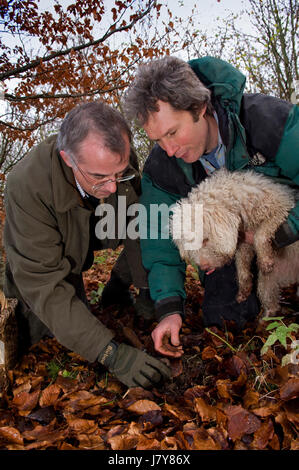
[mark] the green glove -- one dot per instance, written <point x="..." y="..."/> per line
<point x="133" y="367"/>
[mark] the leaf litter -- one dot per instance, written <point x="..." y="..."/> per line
<point x="223" y="394"/>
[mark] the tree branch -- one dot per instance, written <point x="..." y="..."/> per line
<point x="112" y="30"/>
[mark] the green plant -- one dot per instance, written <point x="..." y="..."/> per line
<point x="281" y="332"/>
<point x="96" y="294"/>
<point x="56" y="366"/>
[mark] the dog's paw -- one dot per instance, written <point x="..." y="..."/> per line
<point x="243" y="294"/>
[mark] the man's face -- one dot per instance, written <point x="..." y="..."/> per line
<point x="95" y="164"/>
<point x="179" y="135"/>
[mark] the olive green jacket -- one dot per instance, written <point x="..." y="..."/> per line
<point x="46" y="239"/>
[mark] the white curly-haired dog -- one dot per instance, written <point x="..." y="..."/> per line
<point x="239" y="202"/>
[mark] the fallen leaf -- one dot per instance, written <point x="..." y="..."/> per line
<point x="49" y="395"/>
<point x="205" y="411"/>
<point x="143" y="406"/>
<point x="235" y="366"/>
<point x="169" y="443"/>
<point x="224" y="387"/>
<point x="295" y="445"/>
<point x="290" y="390"/>
<point x="11" y="434"/>
<point x="181" y="414"/>
<point x="263" y="435"/>
<point x="251" y="399"/>
<point x="151" y="420"/>
<point x="240" y="422"/>
<point x="43" y="415"/>
<point x="123" y="442"/>
<point x="202" y="440"/>
<point x="144" y="443"/>
<point x="194" y="392"/>
<point x="81" y="426"/>
<point x="25" y="402"/>
<point x="176" y="366"/>
<point x="208" y="353"/>
<point x="91" y="441"/>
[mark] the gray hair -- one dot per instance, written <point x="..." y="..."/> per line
<point x="171" y="80"/>
<point x="97" y="117"/>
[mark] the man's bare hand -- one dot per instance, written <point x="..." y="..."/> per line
<point x="166" y="336"/>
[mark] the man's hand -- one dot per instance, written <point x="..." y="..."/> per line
<point x="166" y="336"/>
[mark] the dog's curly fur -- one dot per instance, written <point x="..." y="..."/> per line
<point x="239" y="202"/>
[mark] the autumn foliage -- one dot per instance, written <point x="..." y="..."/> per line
<point x="217" y="399"/>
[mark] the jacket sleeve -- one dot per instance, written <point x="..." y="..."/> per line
<point x="272" y="128"/>
<point x="160" y="257"/>
<point x="35" y="252"/>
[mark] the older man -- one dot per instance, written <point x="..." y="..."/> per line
<point x="201" y="120"/>
<point x="49" y="237"/>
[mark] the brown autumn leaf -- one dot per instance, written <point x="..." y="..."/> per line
<point x="151" y="420"/>
<point x="208" y="353"/>
<point x="240" y="422"/>
<point x="292" y="412"/>
<point x="176" y="366"/>
<point x="251" y="399"/>
<point x="295" y="444"/>
<point x="263" y="435"/>
<point x="122" y="441"/>
<point x="282" y="419"/>
<point x="81" y="426"/>
<point x="24" y="387"/>
<point x="49" y="395"/>
<point x="169" y="443"/>
<point x="141" y="407"/>
<point x="181" y="414"/>
<point x="92" y="441"/>
<point x="235" y="366"/>
<point x="202" y="440"/>
<point x="219" y="435"/>
<point x="11" y="434"/>
<point x="67" y="384"/>
<point x="144" y="443"/>
<point x="205" y="411"/>
<point x="25" y="402"/>
<point x="224" y="387"/>
<point x="290" y="390"/>
<point x="194" y="392"/>
<point x="134" y="394"/>
<point x="45" y="436"/>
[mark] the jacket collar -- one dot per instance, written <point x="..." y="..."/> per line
<point x="65" y="192"/>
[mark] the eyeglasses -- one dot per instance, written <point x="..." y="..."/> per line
<point x="97" y="186"/>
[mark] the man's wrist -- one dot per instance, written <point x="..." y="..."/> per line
<point x="106" y="355"/>
<point x="169" y="306"/>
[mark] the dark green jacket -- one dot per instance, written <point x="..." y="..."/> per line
<point x="260" y="132"/>
<point x="46" y="239"/>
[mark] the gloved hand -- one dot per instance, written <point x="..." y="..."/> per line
<point x="133" y="367"/>
<point x="144" y="305"/>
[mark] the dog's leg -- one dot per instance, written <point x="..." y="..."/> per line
<point x="244" y="256"/>
<point x="263" y="248"/>
<point x="268" y="291"/>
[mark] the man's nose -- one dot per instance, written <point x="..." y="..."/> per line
<point x="111" y="186"/>
<point x="170" y="148"/>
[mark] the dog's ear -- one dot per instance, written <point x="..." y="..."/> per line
<point x="221" y="227"/>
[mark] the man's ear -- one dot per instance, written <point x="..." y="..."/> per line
<point x="66" y="158"/>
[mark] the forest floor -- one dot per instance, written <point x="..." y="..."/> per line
<point x="223" y="395"/>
